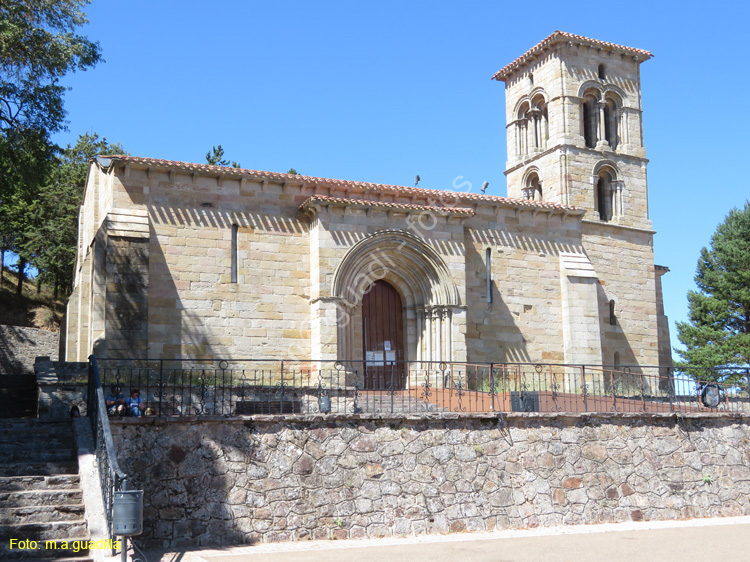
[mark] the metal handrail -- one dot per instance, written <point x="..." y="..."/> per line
<point x="111" y="477"/>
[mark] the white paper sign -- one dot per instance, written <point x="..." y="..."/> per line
<point x="374" y="358"/>
<point x="390" y="357"/>
<point x="387" y="345"/>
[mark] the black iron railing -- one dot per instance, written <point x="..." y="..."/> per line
<point x="259" y="386"/>
<point x="111" y="477"/>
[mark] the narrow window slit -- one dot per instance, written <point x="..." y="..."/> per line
<point x="235" y="256"/>
<point x="489" y="274"/>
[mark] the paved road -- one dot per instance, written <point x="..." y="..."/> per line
<point x="685" y="541"/>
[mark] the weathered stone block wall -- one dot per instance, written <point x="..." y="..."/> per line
<point x="224" y="481"/>
<point x="623" y="260"/>
<point x="195" y="310"/>
<point x="127" y="285"/>
<point x="525" y="269"/>
<point x="19" y="347"/>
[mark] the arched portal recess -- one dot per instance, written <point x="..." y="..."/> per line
<point x="422" y="280"/>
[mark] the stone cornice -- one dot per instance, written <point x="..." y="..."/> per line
<point x="609" y="154"/>
<point x="615" y="225"/>
<point x="562" y="38"/>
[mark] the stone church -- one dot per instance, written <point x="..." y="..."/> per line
<point x="181" y="260"/>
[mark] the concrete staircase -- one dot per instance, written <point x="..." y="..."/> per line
<point x="40" y="493"/>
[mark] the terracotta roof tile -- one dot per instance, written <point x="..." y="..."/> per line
<point x="560" y="37"/>
<point x="432" y="195"/>
<point x="386" y="205"/>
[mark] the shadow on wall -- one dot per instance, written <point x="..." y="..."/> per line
<point x="202" y="490"/>
<point x="491" y="332"/>
<point x="616" y="349"/>
<point x="10" y="338"/>
<point x="20" y="345"/>
<point x="215" y="218"/>
<point x="126" y="310"/>
<point x="173" y="330"/>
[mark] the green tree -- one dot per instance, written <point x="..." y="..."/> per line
<point x="215" y="157"/>
<point x="718" y="331"/>
<point x="51" y="234"/>
<point x="38" y="46"/>
<point x="26" y="159"/>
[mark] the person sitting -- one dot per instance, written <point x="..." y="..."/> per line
<point x="135" y="403"/>
<point x="115" y="402"/>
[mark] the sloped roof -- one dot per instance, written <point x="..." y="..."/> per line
<point x="326" y="200"/>
<point x="562" y="37"/>
<point x="432" y="195"/>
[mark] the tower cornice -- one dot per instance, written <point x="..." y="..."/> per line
<point x="559" y="37"/>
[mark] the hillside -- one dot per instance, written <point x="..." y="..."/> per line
<point x="32" y="309"/>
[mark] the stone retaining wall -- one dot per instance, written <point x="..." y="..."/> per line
<point x="19" y="347"/>
<point x="217" y="480"/>
<point x="62" y="385"/>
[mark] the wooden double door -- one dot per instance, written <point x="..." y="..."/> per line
<point x="383" y="337"/>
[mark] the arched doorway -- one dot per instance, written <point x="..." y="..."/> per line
<point x="383" y="337"/>
<point x="429" y="298"/>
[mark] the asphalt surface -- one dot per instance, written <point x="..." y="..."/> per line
<point x="724" y="539"/>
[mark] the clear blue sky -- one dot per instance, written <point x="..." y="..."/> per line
<point x="381" y="91"/>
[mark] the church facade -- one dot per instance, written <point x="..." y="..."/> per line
<point x="180" y="260"/>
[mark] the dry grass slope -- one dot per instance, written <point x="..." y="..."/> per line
<point x="33" y="309"/>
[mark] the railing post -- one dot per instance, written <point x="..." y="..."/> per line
<point x="492" y="386"/>
<point x="161" y="383"/>
<point x="584" y="390"/>
<point x="392" y="388"/>
<point x="670" y="388"/>
<point x="747" y="377"/>
<point x="281" y="390"/>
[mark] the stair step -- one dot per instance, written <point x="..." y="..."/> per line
<point x="39" y="497"/>
<point x="41" y="514"/>
<point x="53" y="430"/>
<point x="33" y="444"/>
<point x="72" y="549"/>
<point x="52" y="455"/>
<point x="34" y="426"/>
<point x="39" y="468"/>
<point x="26" y="483"/>
<point x="12" y="435"/>
<point x="50" y="530"/>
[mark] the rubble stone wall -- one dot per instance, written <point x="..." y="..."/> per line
<point x="212" y="481"/>
<point x="20" y="346"/>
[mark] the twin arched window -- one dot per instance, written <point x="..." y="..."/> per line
<point x="532" y="126"/>
<point x="600" y="119"/>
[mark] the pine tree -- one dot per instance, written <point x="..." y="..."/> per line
<point x="718" y="331"/>
<point x="215" y="157"/>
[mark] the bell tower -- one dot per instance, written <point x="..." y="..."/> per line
<point x="574" y="128"/>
